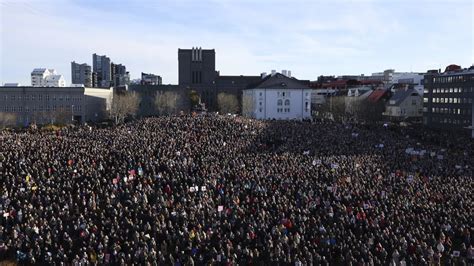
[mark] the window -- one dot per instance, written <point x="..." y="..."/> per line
<point x="260" y="110"/>
<point x="287" y="102"/>
<point x="261" y="93"/>
<point x="425" y="100"/>
<point x="260" y="103"/>
<point x="280" y="102"/>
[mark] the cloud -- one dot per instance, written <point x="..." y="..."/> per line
<point x="310" y="38"/>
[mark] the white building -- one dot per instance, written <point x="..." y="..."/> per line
<point x="43" y="77"/>
<point x="277" y="97"/>
<point x="389" y="77"/>
<point x="356" y="95"/>
<point x="319" y="96"/>
<point x="405" y="104"/>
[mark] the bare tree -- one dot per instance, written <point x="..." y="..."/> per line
<point x="7" y="119"/>
<point x="334" y="108"/>
<point x="368" y="112"/>
<point x="227" y="103"/>
<point x="248" y="104"/>
<point x="62" y="115"/>
<point x="124" y="104"/>
<point x="41" y="117"/>
<point x="167" y="102"/>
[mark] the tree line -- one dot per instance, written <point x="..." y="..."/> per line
<point x="126" y="104"/>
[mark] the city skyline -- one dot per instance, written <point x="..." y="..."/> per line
<point x="310" y="39"/>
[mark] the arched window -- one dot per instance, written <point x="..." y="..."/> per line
<point x="287" y="102"/>
<point x="280" y="102"/>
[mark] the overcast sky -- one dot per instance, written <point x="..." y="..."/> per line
<point x="310" y="38"/>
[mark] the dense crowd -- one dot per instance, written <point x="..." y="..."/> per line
<point x="224" y="190"/>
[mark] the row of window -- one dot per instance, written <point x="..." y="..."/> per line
<point x="283" y="110"/>
<point x="449" y="100"/>
<point x="287" y="94"/>
<point x="280" y="102"/>
<point x="452" y="79"/>
<point x="403" y="111"/>
<point x="20" y="109"/>
<point x="444" y="120"/>
<point x="40" y="97"/>
<point x="454" y="111"/>
<point x="450" y="90"/>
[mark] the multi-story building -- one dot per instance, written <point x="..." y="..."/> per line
<point x="81" y="74"/>
<point x="102" y="67"/>
<point x="448" y="98"/>
<point x="234" y="85"/>
<point x="150" y="79"/>
<point x="43" y="77"/>
<point x="28" y="104"/>
<point x="197" y="71"/>
<point x="196" y="66"/>
<point x="119" y="74"/>
<point x="277" y="97"/>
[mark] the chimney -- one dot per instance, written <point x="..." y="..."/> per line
<point x="273" y="72"/>
<point x="284" y="72"/>
<point x="263" y="75"/>
<point x="289" y="73"/>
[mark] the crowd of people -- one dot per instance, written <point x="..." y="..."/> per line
<point x="225" y="190"/>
